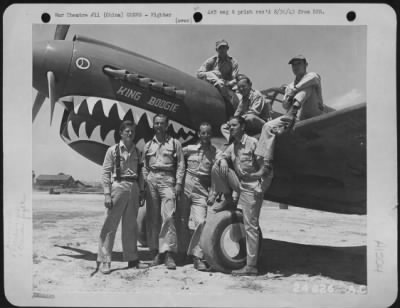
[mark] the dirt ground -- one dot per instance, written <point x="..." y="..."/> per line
<point x="304" y="251"/>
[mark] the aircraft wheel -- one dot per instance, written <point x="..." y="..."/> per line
<point x="223" y="241"/>
<point x="141" y="221"/>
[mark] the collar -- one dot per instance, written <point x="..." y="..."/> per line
<point x="243" y="140"/>
<point x="167" y="139"/>
<point x="251" y="92"/>
<point x="123" y="147"/>
<point x="198" y="146"/>
<point x="220" y="59"/>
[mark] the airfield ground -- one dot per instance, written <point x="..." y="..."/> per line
<point x="304" y="251"/>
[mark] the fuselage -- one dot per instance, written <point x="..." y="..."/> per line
<point x="92" y="84"/>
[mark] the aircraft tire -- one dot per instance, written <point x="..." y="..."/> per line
<point x="141" y="221"/>
<point x="223" y="241"/>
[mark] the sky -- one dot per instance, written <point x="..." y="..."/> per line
<point x="337" y="53"/>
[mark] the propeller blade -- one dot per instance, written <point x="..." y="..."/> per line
<point x="39" y="100"/>
<point x="51" y="81"/>
<point x="61" y="32"/>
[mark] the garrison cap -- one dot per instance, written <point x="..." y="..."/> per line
<point x="220" y="43"/>
<point x="298" y="57"/>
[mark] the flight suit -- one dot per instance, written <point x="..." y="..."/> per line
<point x="309" y="99"/>
<point x="164" y="167"/>
<point x="241" y="155"/>
<point x="125" y="202"/>
<point x="194" y="200"/>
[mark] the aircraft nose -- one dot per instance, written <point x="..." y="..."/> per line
<point x="54" y="56"/>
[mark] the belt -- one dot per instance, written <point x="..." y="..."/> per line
<point x="127" y="179"/>
<point x="162" y="171"/>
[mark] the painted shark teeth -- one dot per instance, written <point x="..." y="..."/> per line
<point x="123" y="109"/>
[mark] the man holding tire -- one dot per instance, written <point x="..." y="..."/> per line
<point x="197" y="193"/>
<point x="250" y="178"/>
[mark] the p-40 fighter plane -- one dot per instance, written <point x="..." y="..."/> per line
<point x="320" y="164"/>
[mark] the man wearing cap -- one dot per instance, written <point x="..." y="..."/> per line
<point x="302" y="100"/>
<point x="253" y="107"/>
<point x="121" y="185"/>
<point x="163" y="171"/>
<point x="197" y="194"/>
<point x="221" y="71"/>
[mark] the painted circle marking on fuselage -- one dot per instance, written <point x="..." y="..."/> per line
<point x="82" y="63"/>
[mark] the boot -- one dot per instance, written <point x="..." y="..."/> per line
<point x="199" y="264"/>
<point x="247" y="270"/>
<point x="169" y="261"/>
<point x="137" y="264"/>
<point x="157" y="259"/>
<point x="105" y="268"/>
<point x="228" y="204"/>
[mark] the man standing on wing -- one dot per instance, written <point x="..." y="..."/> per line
<point x="197" y="193"/>
<point x="302" y="100"/>
<point x="163" y="171"/>
<point x="253" y="107"/>
<point x="121" y="198"/>
<point x="250" y="178"/>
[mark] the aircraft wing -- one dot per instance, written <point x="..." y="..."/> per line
<point x="321" y="163"/>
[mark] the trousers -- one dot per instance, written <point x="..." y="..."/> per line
<point x="266" y="142"/>
<point x="125" y="200"/>
<point x="192" y="209"/>
<point x="250" y="204"/>
<point x="160" y="215"/>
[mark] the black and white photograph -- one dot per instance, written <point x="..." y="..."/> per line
<point x="204" y="164"/>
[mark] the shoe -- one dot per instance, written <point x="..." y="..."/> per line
<point x="228" y="204"/>
<point x="158" y="259"/>
<point x="246" y="271"/>
<point x="137" y="264"/>
<point x="199" y="265"/>
<point x="169" y="261"/>
<point x="105" y="268"/>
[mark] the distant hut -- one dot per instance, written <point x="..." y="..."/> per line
<point x="49" y="180"/>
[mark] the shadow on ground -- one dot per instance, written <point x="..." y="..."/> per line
<point x="87" y="255"/>
<point x="341" y="263"/>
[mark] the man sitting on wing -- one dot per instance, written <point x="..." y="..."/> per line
<point x="253" y="107"/>
<point x="221" y="71"/>
<point x="302" y="100"/>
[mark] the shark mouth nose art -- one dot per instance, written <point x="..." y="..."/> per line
<point x="95" y="119"/>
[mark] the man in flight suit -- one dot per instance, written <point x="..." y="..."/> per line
<point x="121" y="198"/>
<point x="302" y="100"/>
<point x="250" y="179"/>
<point x="163" y="171"/>
<point x="197" y="195"/>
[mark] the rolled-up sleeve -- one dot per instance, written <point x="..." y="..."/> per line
<point x="108" y="168"/>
